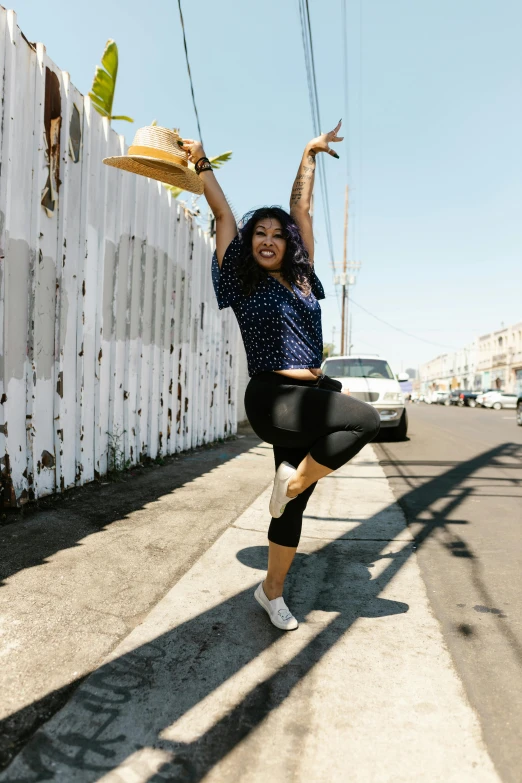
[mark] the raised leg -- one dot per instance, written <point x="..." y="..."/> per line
<point x="308" y="472"/>
<point x="334" y="449"/>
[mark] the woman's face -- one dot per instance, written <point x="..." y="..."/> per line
<point x="268" y="244"/>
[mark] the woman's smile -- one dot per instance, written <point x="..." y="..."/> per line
<point x="269" y="244"/>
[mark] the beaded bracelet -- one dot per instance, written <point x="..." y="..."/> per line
<point x="203" y="164"/>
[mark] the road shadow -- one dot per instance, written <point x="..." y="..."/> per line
<point x="117" y="712"/>
<point x="428" y="511"/>
<point x="127" y="704"/>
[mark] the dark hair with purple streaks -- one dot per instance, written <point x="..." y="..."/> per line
<point x="295" y="267"/>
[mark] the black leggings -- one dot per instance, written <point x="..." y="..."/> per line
<point x="296" y="417"/>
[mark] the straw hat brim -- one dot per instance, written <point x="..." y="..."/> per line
<point x="164" y="171"/>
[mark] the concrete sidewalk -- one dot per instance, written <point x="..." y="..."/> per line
<point x="205" y="688"/>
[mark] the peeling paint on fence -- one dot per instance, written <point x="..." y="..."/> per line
<point x="109" y="328"/>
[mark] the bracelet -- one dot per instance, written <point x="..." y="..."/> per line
<point x="203" y="164"/>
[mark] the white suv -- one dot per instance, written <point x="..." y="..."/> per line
<point x="370" y="379"/>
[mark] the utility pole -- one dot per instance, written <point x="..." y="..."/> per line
<point x="345" y="259"/>
<point x="346" y="279"/>
<point x="333" y="338"/>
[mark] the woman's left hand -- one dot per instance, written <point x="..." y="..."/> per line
<point x="322" y="142"/>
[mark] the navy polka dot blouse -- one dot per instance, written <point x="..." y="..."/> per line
<point x="281" y="329"/>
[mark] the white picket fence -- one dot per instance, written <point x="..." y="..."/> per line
<point x="111" y="341"/>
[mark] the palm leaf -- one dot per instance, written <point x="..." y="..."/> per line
<point x="173" y="190"/>
<point x="104" y="83"/>
<point x="219" y="160"/>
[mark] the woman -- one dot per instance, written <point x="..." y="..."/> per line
<point x="265" y="273"/>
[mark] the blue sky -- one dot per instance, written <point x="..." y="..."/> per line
<point x="434" y="137"/>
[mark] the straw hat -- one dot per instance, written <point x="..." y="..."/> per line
<point x="155" y="153"/>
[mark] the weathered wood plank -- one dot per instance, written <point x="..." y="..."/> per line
<point x="109" y="330"/>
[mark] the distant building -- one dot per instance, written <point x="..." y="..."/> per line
<point x="492" y="361"/>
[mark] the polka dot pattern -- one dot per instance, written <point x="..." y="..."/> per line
<point x="281" y="330"/>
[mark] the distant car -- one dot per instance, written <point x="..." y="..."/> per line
<point x="443" y="398"/>
<point x="499" y="400"/>
<point x="519" y="411"/>
<point x="463" y="397"/>
<point x="479" y="401"/>
<point x="370" y="379"/>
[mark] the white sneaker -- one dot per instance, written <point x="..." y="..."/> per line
<point x="279" y="500"/>
<point x="279" y="613"/>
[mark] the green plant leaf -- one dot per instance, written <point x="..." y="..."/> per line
<point x="110" y="59"/>
<point x="173" y="190"/>
<point x="97" y="105"/>
<point x="219" y="160"/>
<point x="103" y="79"/>
<point x="104" y="83"/>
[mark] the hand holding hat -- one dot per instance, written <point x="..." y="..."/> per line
<point x="159" y="153"/>
<point x="194" y="149"/>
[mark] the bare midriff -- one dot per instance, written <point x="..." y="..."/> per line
<point x="303" y="375"/>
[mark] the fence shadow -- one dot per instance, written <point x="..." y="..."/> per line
<point x="60" y="523"/>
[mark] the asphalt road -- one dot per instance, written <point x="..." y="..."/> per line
<point x="459" y="480"/>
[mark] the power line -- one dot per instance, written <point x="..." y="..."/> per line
<point x="398" y="329"/>
<point x="189" y="73"/>
<point x="308" y="48"/>
<point x="309" y="77"/>
<point x="346" y="116"/>
<point x="361" y="142"/>
<point x="322" y="171"/>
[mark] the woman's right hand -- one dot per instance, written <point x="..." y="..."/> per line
<point x="194" y="149"/>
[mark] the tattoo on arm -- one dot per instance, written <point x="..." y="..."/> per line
<point x="302" y="181"/>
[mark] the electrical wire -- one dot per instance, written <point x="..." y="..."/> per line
<point x="306" y="34"/>
<point x="346" y="116"/>
<point x="361" y="143"/>
<point x="398" y="329"/>
<point x="317" y="129"/>
<point x="189" y="73"/>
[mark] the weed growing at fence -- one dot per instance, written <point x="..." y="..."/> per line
<point x="116" y="462"/>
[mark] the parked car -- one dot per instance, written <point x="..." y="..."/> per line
<point x="481" y="395"/>
<point x="370" y="379"/>
<point x="463" y="397"/>
<point x="519" y="411"/>
<point x="499" y="400"/>
<point x="432" y="397"/>
<point x="443" y="398"/>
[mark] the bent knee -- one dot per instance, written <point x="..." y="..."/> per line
<point x="376" y="423"/>
<point x="370" y="422"/>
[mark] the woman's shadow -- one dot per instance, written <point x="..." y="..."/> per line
<point x="335" y="578"/>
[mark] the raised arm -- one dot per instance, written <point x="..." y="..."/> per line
<point x="301" y="197"/>
<point x="226" y="228"/>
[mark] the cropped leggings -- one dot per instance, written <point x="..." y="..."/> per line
<point x="297" y="417"/>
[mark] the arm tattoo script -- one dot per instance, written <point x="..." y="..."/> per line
<point x="302" y="184"/>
